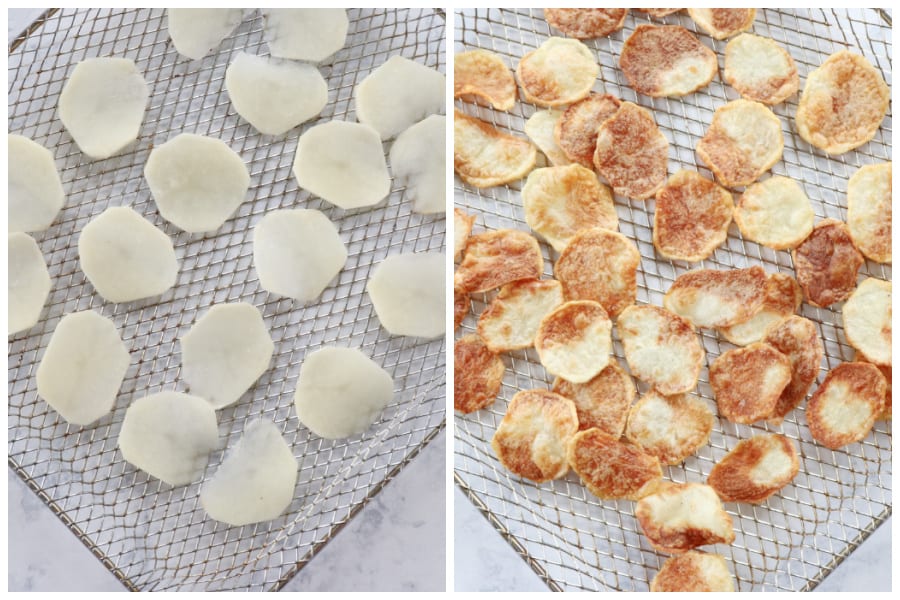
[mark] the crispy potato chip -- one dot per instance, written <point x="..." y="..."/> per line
<point x="574" y="341"/>
<point x="693" y="571"/>
<point x="843" y="409"/>
<point x="483" y="74"/>
<point x="462" y="227"/>
<point x="796" y="338"/>
<point x="755" y="469"/>
<point x="599" y="265"/>
<point x="867" y="320"/>
<point x="783" y="298"/>
<point x="869" y="211"/>
<point x="540" y="127"/>
<point x="775" y="213"/>
<point x="532" y="438"/>
<point x="576" y="130"/>
<point x="632" y="153"/>
<point x="714" y="298"/>
<point x="683" y="516"/>
<point x="747" y="382"/>
<point x="760" y="70"/>
<point x="826" y="263"/>
<point x="743" y="141"/>
<point x="887" y="413"/>
<point x="722" y="23"/>
<point x="601" y="402"/>
<point x="461" y="305"/>
<point x="670" y="428"/>
<point x="484" y="157"/>
<point x="511" y="320"/>
<point x="666" y="61"/>
<point x="661" y="348"/>
<point x="843" y="103"/>
<point x="658" y="12"/>
<point x="586" y="23"/>
<point x="495" y="258"/>
<point x="559" y="72"/>
<point x="611" y="469"/>
<point x="692" y="217"/>
<point x="477" y="374"/>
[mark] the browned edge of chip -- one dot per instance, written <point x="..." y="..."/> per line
<point x="740" y="476"/>
<point x="855" y="410"/>
<point x="477" y="374"/>
<point x="613" y="469"/>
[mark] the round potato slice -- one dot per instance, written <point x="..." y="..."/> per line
<point x="462" y="227"/>
<point x="485" y="157"/>
<point x="28" y="283"/>
<point x="797" y="339"/>
<point x="683" y="516"/>
<point x="196" y="31"/>
<point x="844" y="408"/>
<point x="869" y="212"/>
<point x="867" y="320"/>
<point x="418" y="158"/>
<point x="540" y="128"/>
<point x="511" y="320"/>
<point x="760" y="70"/>
<point x="603" y="401"/>
<point x="722" y="23"/>
<point x="574" y="341"/>
<point x="611" y="469"/>
<point x="483" y="74"/>
<point x="693" y="571"/>
<point x="755" y="469"/>
<point x="576" y="131"/>
<point x="559" y="72"/>
<point x="495" y="258"/>
<point x="827" y="263"/>
<point x="692" y="217"/>
<point x="312" y="34"/>
<point x="477" y="374"/>
<point x="775" y="213"/>
<point x="586" y="23"/>
<point x="666" y="61"/>
<point x="409" y="294"/>
<point x="35" y="192"/>
<point x="714" y="298"/>
<point x="671" y="428"/>
<point x="783" y="298"/>
<point x="747" y="382"/>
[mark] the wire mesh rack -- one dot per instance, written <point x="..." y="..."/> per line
<point x="575" y="541"/>
<point x="150" y="535"/>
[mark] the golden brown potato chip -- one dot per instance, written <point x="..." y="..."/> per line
<point x="586" y="23"/>
<point x="692" y="216"/>
<point x="482" y="73"/>
<point x="485" y="157"/>
<point x="561" y="201"/>
<point x="683" y="516"/>
<point x="783" y="298"/>
<point x="755" y="469"/>
<point x="576" y="130"/>
<point x="887" y="412"/>
<point x="462" y="227"/>
<point x="693" y="571"/>
<point x="532" y="438"/>
<point x="540" y="128"/>
<point x="632" y="153"/>
<point x="461" y="306"/>
<point x="722" y="23"/>
<point x="797" y="339"/>
<point x="843" y="409"/>
<point x="670" y="428"/>
<point x="561" y="71"/>
<point x="495" y="258"/>
<point x="747" y="382"/>
<point x="826" y="263"/>
<point x="666" y="60"/>
<point x="574" y="341"/>
<point x="612" y="469"/>
<point x="714" y="298"/>
<point x="658" y="12"/>
<point x="869" y="211"/>
<point x="775" y="213"/>
<point x="760" y="70"/>
<point x="867" y="320"/>
<point x="477" y="374"/>
<point x="511" y="320"/>
<point x="843" y="103"/>
<point x="599" y="265"/>
<point x="603" y="401"/>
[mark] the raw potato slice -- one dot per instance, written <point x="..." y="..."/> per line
<point x="102" y="105"/>
<point x="561" y="201"/>
<point x="827" y="263"/>
<point x="196" y="31"/>
<point x="511" y="320"/>
<point x="125" y="257"/>
<point x="342" y="163"/>
<point x="869" y="212"/>
<point x="559" y="72"/>
<point x="35" y="192"/>
<point x="418" y="158"/>
<point x="461" y="306"/>
<point x="692" y="217"/>
<point x="483" y="74"/>
<point x="722" y="23"/>
<point x="755" y="469"/>
<point x="693" y="571"/>
<point x="760" y="70"/>
<point x="274" y="95"/>
<point x="169" y="435"/>
<point x="796" y="338"/>
<point x="747" y="382"/>
<point x="659" y="12"/>
<point x="198" y="182"/>
<point x="462" y="228"/>
<point x="484" y="157"/>
<point x="540" y="128"/>
<point x="611" y="469"/>
<point x="601" y="402"/>
<point x="586" y="23"/>
<point x="713" y="298"/>
<point x="844" y="408"/>
<point x="661" y="348"/>
<point x="255" y="482"/>
<point x="225" y="352"/>
<point x="671" y="428"/>
<point x="83" y="367"/>
<point x="28" y="283"/>
<point x="743" y="141"/>
<point x="398" y="94"/>
<point x="531" y="439"/>
<point x="574" y="341"/>
<point x="843" y="103"/>
<point x="408" y="294"/>
<point x="783" y="298"/>
<point x="867" y="320"/>
<point x="341" y="392"/>
<point x="312" y="34"/>
<point x="632" y="153"/>
<point x="666" y="61"/>
<point x="576" y="130"/>
<point x="683" y="516"/>
<point x="477" y="374"/>
<point x="496" y="258"/>
<point x="297" y="253"/>
<point x="775" y="213"/>
<point x="599" y="265"/>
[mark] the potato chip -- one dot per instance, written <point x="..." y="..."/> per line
<point x="683" y="516"/>
<point x="783" y="298"/>
<point x="540" y="128"/>
<point x="477" y="374"/>
<point x="755" y="469"/>
<point x="843" y="409"/>
<point x="574" y="341"/>
<point x="867" y="320"/>
<point x="461" y="305"/>
<point x="601" y="402"/>
<point x="495" y="258"/>
<point x="693" y="571"/>
<point x="670" y="428"/>
<point x="760" y="70"/>
<point x="483" y="74"/>
<point x="586" y="23"/>
<point x="796" y="338"/>
<point x="666" y="61"/>
<point x="747" y="382"/>
<point x="576" y="130"/>
<point x="462" y="227"/>
<point x="611" y="469"/>
<point x="511" y="320"/>
<point x="658" y="12"/>
<point x="484" y="157"/>
<point x="559" y="72"/>
<point x="722" y="23"/>
<point x="692" y="217"/>
<point x="775" y="213"/>
<point x="869" y="211"/>
<point x="714" y="298"/>
<point x="826" y="263"/>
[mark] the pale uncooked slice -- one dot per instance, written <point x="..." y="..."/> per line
<point x="397" y="94"/>
<point x="869" y="213"/>
<point x="102" y="105"/>
<point x="274" y="95"/>
<point x="225" y="352"/>
<point x="867" y="320"/>
<point x="28" y="283"/>
<point x="297" y="253"/>
<point x="311" y="34"/>
<point x="198" y="182"/>
<point x="418" y="159"/>
<point x="125" y="257"/>
<point x="341" y="392"/>
<point x="83" y="368"/>
<point x="256" y="481"/>
<point x="775" y="213"/>
<point x="540" y="127"/>
<point x="169" y="435"/>
<point x="196" y="31"/>
<point x="35" y="192"/>
<point x="342" y="163"/>
<point x="408" y="293"/>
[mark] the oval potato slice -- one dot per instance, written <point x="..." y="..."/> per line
<point x="477" y="374"/>
<point x="418" y="159"/>
<point x="844" y="408"/>
<point x="27" y="283"/>
<point x="755" y="469"/>
<point x="783" y="298"/>
<point x="495" y="258"/>
<point x="485" y="157"/>
<point x="683" y="516"/>
<point x="869" y="212"/>
<point x="612" y="469"/>
<point x="747" y="382"/>
<point x="722" y="23"/>
<point x="666" y="61"/>
<point x="775" y="213"/>
<point x="760" y="70"/>
<point x="576" y="130"/>
<point x="795" y="337"/>
<point x="692" y="217"/>
<point x="511" y="320"/>
<point x="603" y="401"/>
<point x="693" y="571"/>
<point x="408" y="294"/>
<point x="483" y="74"/>
<point x="196" y="31"/>
<point x="867" y="319"/>
<point x="827" y="263"/>
<point x="671" y="428"/>
<point x="715" y="298"/>
<point x="586" y="23"/>
<point x="34" y="190"/>
<point x="574" y="341"/>
<point x="559" y="72"/>
<point x="311" y="34"/>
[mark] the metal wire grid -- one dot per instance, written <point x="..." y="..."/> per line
<point x="572" y="539"/>
<point x="153" y="536"/>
